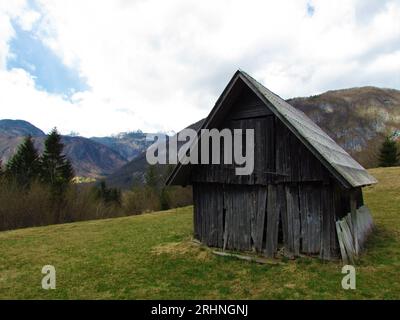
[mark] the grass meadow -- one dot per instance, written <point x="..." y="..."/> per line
<point x="151" y="256"/>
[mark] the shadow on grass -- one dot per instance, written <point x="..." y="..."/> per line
<point x="382" y="246"/>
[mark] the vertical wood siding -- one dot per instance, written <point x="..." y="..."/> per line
<point x="247" y="218"/>
<point x="290" y="192"/>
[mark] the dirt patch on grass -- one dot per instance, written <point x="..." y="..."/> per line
<point x="183" y="248"/>
<point x="176" y="248"/>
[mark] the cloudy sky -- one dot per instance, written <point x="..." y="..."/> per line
<point x="103" y="67"/>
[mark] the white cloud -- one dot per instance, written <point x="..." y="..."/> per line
<point x="160" y="65"/>
<point x="27" y="19"/>
<point x="18" y="89"/>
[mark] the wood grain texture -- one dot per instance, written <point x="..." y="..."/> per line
<point x="290" y="197"/>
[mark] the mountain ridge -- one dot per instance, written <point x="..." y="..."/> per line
<point x="89" y="158"/>
<point x="14" y="128"/>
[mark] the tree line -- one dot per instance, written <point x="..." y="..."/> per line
<point x="39" y="189"/>
<point x="52" y="168"/>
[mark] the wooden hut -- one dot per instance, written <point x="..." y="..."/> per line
<point x="303" y="183"/>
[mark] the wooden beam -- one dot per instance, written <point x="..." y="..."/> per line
<point x="341" y="243"/>
<point x="247" y="258"/>
<point x="353" y="211"/>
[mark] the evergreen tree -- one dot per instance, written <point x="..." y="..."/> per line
<point x="56" y="169"/>
<point x="24" y="166"/>
<point x="151" y="177"/>
<point x="388" y="153"/>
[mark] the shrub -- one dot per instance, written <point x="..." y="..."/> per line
<point x="24" y="207"/>
<point x="108" y="195"/>
<point x="141" y="199"/>
<point x="179" y="196"/>
<point x="21" y="208"/>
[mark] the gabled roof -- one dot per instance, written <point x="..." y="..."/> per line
<point x="342" y="166"/>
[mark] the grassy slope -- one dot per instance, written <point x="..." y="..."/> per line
<point x="151" y="256"/>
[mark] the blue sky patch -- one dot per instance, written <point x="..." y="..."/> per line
<point x="51" y="75"/>
<point x="310" y="9"/>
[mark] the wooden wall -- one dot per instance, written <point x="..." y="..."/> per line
<point x="279" y="156"/>
<point x="248" y="217"/>
<point x="290" y="190"/>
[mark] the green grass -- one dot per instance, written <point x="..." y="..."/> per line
<point x="152" y="257"/>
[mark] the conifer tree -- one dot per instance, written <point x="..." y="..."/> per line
<point x="388" y="153"/>
<point x="56" y="169"/>
<point x="24" y="166"/>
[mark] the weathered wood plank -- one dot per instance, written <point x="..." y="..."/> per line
<point x="282" y="215"/>
<point x="208" y="214"/>
<point x="346" y="236"/>
<point x="286" y="224"/>
<point x="295" y="160"/>
<point x="261" y="217"/>
<point x="328" y="222"/>
<point x="247" y="258"/>
<point x="341" y="243"/>
<point x="220" y="217"/>
<point x="310" y="208"/>
<point x="239" y="208"/>
<point x="353" y="215"/>
<point x="347" y="240"/>
<point x="293" y="219"/>
<point x="283" y="156"/>
<point x="272" y="222"/>
<point x="304" y="212"/>
<point x="196" y="213"/>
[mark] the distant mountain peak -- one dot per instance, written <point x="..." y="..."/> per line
<point x="18" y="128"/>
<point x="89" y="158"/>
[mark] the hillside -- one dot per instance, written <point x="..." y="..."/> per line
<point x="152" y="257"/>
<point x="129" y="144"/>
<point x="357" y="119"/>
<point x="134" y="170"/>
<point x="89" y="158"/>
<point x="19" y="128"/>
